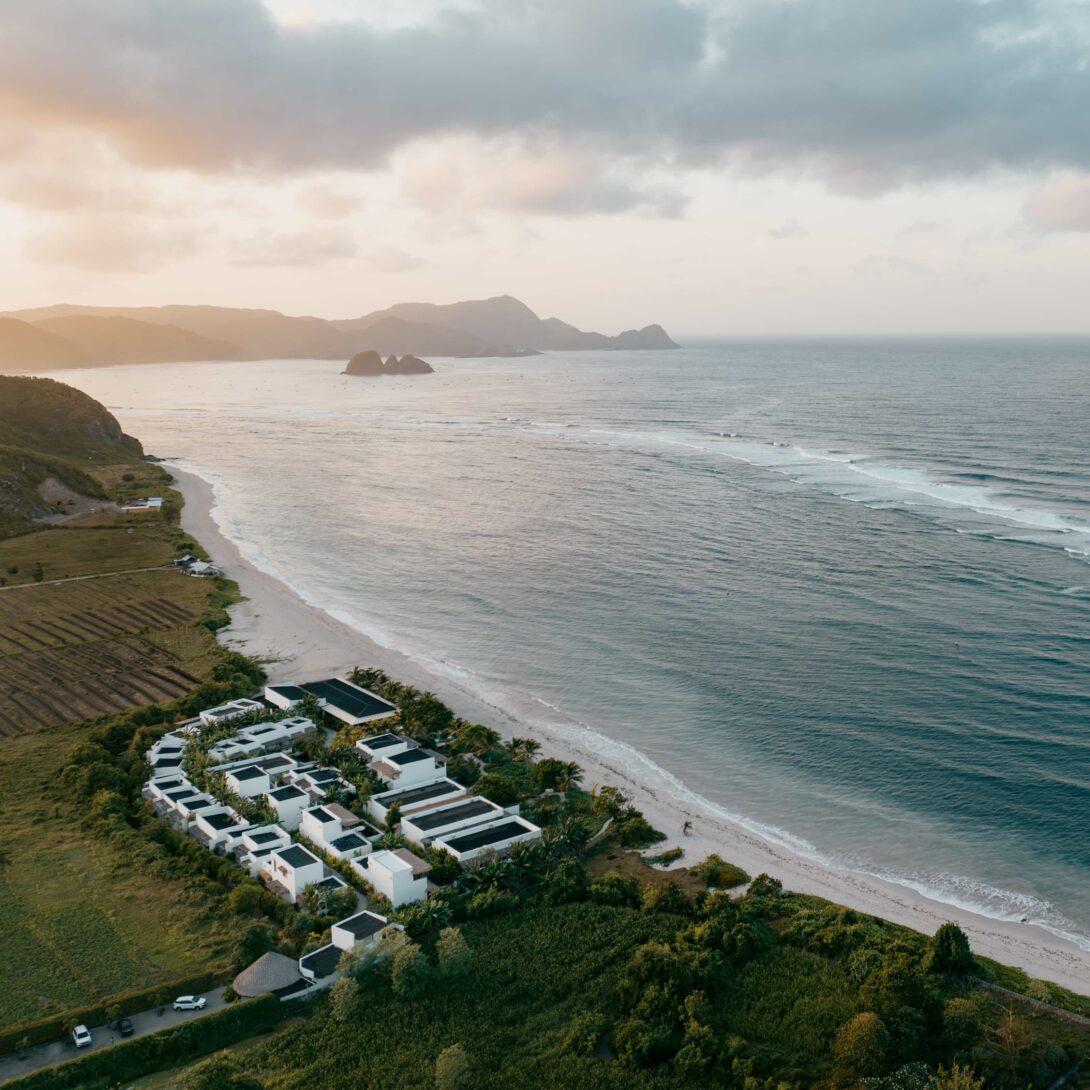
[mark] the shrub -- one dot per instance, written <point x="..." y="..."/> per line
<point x="664" y="859"/>
<point x="453" y="953"/>
<point x="719" y="874"/>
<point x="666" y="897"/>
<point x="567" y="883"/>
<point x="617" y="890"/>
<point x="863" y="1044"/>
<point x="638" y="832"/>
<point x="584" y="1033"/>
<point x="452" y="1068"/>
<point x="497" y="788"/>
<point x="948" y="951"/>
<point x="410" y="971"/>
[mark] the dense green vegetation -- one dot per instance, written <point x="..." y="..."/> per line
<point x="764" y="993"/>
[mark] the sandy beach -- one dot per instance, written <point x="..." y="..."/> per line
<point x="299" y="641"/>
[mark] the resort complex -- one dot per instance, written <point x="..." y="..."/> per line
<point x="257" y="780"/>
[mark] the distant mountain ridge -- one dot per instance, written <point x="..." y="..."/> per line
<point x="81" y="336"/>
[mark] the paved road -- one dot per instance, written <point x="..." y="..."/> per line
<point x="12" y="1065"/>
<point x="80" y="578"/>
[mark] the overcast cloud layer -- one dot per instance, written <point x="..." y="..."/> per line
<point x="865" y="94"/>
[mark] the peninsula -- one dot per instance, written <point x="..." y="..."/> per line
<point x="66" y="336"/>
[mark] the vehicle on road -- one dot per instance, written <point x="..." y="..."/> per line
<point x="189" y="1003"/>
<point x="81" y="1036"/>
<point x="125" y="1027"/>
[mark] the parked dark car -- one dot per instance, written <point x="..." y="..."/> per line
<point x="125" y="1027"/>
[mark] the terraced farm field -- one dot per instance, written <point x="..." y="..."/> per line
<point x="110" y="626"/>
<point x="80" y="650"/>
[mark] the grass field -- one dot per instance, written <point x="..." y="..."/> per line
<point x="78" y="923"/>
<point x="97" y="646"/>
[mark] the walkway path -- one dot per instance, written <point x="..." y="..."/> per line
<point x="78" y="578"/>
<point x="48" y="1055"/>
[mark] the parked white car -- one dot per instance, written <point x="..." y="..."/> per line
<point x="190" y="1003"/>
<point x="81" y="1036"/>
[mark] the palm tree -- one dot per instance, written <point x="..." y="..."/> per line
<point x="476" y="738"/>
<point x="523" y="748"/>
<point x="569" y="776"/>
<point x="570" y="837"/>
<point x="427" y="918"/>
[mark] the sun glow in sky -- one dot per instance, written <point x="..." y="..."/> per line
<point x="720" y="166"/>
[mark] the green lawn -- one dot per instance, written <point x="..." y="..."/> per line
<point x="78" y="924"/>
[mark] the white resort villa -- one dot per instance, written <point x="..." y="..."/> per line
<point x="308" y="832"/>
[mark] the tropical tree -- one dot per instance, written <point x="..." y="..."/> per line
<point x="569" y="837"/>
<point x="523" y="749"/>
<point x="570" y="776"/>
<point x="410" y="971"/>
<point x="425" y="919"/>
<point x="497" y="787"/>
<point x="475" y="738"/>
<point x="611" y="801"/>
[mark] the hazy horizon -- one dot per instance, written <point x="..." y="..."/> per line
<point x="721" y="167"/>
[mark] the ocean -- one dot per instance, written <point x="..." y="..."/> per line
<point x="839" y="590"/>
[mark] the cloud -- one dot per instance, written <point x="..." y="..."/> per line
<point x="109" y="243"/>
<point x="790" y="228"/>
<point x="878" y="265"/>
<point x="1062" y="204"/>
<point x="464" y="176"/>
<point x="392" y="259"/>
<point x="299" y="249"/>
<point x="865" y="95"/>
<point x="921" y="227"/>
<point x="328" y="203"/>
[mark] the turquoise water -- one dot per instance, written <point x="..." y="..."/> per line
<point x="841" y="590"/>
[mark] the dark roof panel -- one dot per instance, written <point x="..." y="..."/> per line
<point x="295" y="856"/>
<point x="350" y="698"/>
<point x="362" y="924"/>
<point x="323" y="962"/>
<point x="481" y="838"/>
<point x="437" y="819"/>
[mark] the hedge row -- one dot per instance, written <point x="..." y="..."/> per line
<point x="158" y="1051"/>
<point x="56" y="1025"/>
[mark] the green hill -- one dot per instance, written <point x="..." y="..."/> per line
<point x="52" y="432"/>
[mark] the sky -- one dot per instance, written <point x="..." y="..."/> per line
<point x="723" y="167"/>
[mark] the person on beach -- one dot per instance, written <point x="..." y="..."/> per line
<point x="687" y="828"/>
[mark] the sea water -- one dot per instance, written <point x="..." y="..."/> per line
<point x="840" y="590"/>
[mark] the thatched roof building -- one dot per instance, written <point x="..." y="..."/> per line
<point x="271" y="972"/>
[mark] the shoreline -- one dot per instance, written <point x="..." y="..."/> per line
<point x="299" y="640"/>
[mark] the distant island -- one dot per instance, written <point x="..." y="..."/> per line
<point x="369" y="364"/>
<point x="63" y="336"/>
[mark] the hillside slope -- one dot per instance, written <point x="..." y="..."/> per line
<point x="500" y="326"/>
<point x="105" y="341"/>
<point x="27" y="347"/>
<point x="49" y="431"/>
<point x="508" y="322"/>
